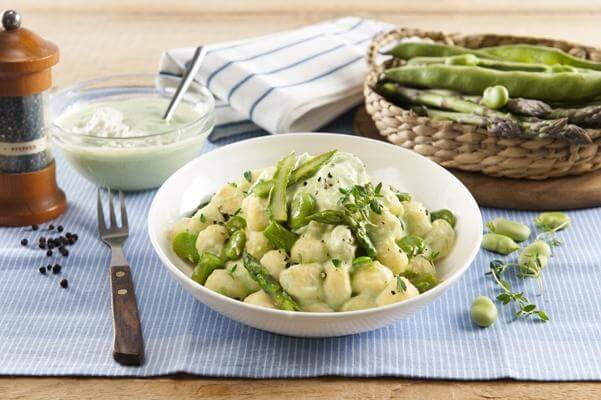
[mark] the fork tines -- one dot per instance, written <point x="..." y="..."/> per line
<point x="113" y="227"/>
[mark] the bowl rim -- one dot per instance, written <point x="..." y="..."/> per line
<point x="426" y="296"/>
<point x="202" y="118"/>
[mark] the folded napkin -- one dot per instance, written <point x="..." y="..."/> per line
<point x="291" y="81"/>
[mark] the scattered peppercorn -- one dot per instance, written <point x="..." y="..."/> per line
<point x="48" y="267"/>
<point x="50" y="244"/>
<point x="50" y="227"/>
<point x="64" y="252"/>
<point x="24" y="242"/>
<point x="42" y="270"/>
<point x="42" y="245"/>
<point x="56" y="268"/>
<point x="35" y="227"/>
<point x="49" y="253"/>
<point x="64" y="283"/>
<point x="60" y="228"/>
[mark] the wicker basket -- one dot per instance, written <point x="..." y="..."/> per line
<point x="472" y="148"/>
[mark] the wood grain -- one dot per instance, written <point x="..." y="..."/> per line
<point x="189" y="388"/>
<point x="104" y="37"/>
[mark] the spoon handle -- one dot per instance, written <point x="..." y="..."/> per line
<point x="189" y="75"/>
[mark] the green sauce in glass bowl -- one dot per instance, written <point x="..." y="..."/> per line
<point x="111" y="129"/>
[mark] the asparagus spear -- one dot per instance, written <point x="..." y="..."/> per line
<point x="535" y="108"/>
<point x="278" y="202"/>
<point x="468" y="112"/>
<point x="588" y="116"/>
<point x="303" y="171"/>
<point x="527" y="128"/>
<point x="279" y="236"/>
<point x="271" y="286"/>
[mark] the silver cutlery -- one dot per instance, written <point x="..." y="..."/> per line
<point x="128" y="346"/>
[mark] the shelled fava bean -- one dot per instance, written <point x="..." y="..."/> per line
<point x="552" y="221"/>
<point x="515" y="230"/>
<point x="483" y="311"/>
<point x="499" y="243"/>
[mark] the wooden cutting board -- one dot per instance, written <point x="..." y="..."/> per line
<point x="568" y="193"/>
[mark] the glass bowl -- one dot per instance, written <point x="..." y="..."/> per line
<point x="137" y="162"/>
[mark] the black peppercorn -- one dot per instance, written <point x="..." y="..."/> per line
<point x="24" y="242"/>
<point x="64" y="283"/>
<point x="35" y="227"/>
<point x="50" y="244"/>
<point x="42" y="245"/>
<point x="60" y="228"/>
<point x="56" y="268"/>
<point x="49" y="253"/>
<point x="48" y="267"/>
<point x="64" y="252"/>
<point x="50" y="227"/>
<point x="42" y="270"/>
<point x="64" y="241"/>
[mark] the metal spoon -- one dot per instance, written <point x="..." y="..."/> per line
<point x="184" y="84"/>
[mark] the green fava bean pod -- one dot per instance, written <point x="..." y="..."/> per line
<point x="515" y="230"/>
<point x="534" y="257"/>
<point x="552" y="221"/>
<point x="235" y="245"/>
<point x="445" y="214"/>
<point x="303" y="205"/>
<point x="495" y="97"/>
<point x="483" y="311"/>
<point x="500" y="244"/>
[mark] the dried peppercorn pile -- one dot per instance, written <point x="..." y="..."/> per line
<point x="51" y="244"/>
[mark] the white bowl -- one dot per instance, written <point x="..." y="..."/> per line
<point x="404" y="169"/>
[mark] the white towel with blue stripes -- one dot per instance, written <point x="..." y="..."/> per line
<point x="290" y="81"/>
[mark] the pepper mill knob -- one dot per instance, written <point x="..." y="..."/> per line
<point x="11" y="20"/>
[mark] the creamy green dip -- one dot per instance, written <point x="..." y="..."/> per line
<point x="126" y="117"/>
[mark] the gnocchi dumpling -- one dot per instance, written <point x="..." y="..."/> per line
<point x="391" y="201"/>
<point x="257" y="244"/>
<point x="254" y="209"/>
<point x="336" y="285"/>
<point x="391" y="255"/>
<point x="440" y="238"/>
<point x="212" y="239"/>
<point x="391" y="294"/>
<point x="360" y="302"/>
<point x="386" y="225"/>
<point x="310" y="247"/>
<point x="370" y="278"/>
<point x="240" y="273"/>
<point x="228" y="199"/>
<point x="180" y="226"/>
<point x="260" y="298"/>
<point x="206" y="216"/>
<point x="304" y="282"/>
<point x="275" y="262"/>
<point x="340" y="244"/>
<point x="222" y="281"/>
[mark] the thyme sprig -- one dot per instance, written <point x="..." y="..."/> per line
<point x="525" y="307"/>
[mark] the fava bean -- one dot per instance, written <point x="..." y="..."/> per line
<point x="206" y="265"/>
<point x="483" y="311"/>
<point x="445" y="214"/>
<point x="499" y="243"/>
<point x="412" y="245"/>
<point x="184" y="246"/>
<point x="552" y="221"/>
<point x="303" y="205"/>
<point x="235" y="223"/>
<point x="423" y="281"/>
<point x="534" y="257"/>
<point x="235" y="245"/>
<point x="495" y="97"/>
<point x="515" y="230"/>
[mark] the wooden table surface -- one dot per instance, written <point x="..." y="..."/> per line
<point x="103" y="37"/>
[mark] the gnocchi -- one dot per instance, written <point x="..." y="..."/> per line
<point x="345" y="246"/>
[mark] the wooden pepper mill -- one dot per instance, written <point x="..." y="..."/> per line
<point x="28" y="190"/>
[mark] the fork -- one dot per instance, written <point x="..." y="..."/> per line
<point x="128" y="345"/>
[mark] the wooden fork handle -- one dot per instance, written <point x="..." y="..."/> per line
<point x="128" y="347"/>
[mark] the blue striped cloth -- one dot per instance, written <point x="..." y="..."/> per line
<point x="294" y="81"/>
<point x="46" y="330"/>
